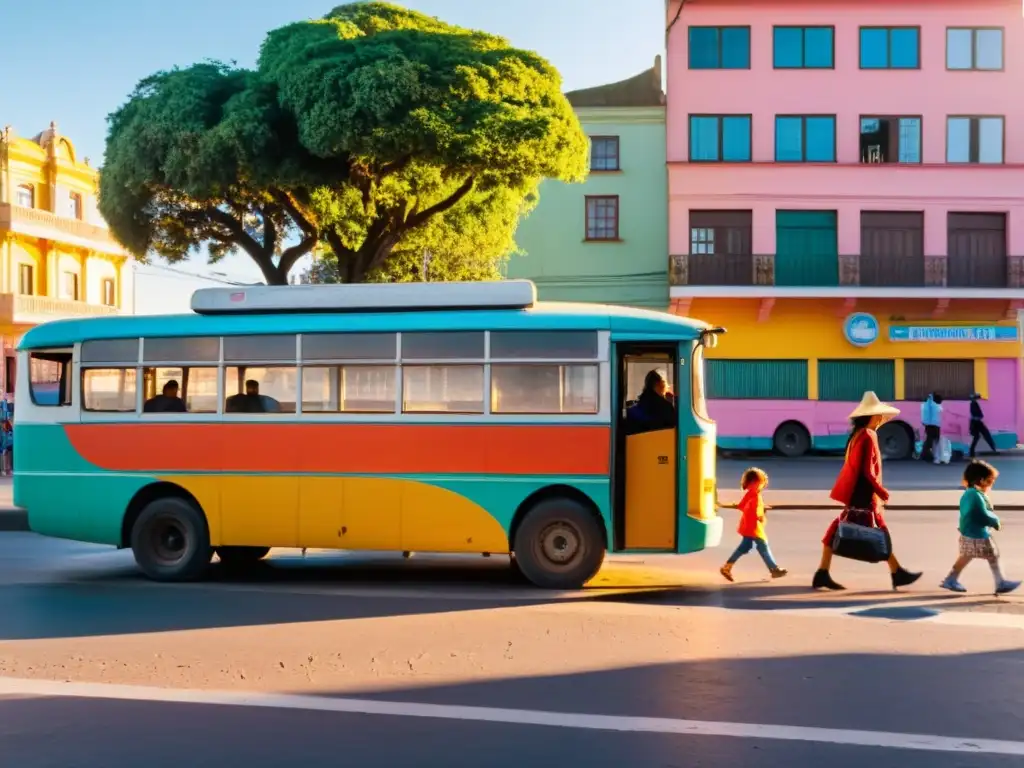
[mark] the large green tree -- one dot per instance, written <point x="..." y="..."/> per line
<point x="377" y="132"/>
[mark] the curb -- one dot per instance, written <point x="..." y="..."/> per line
<point x="13" y="520"/>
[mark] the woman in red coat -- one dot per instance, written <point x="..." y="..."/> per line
<point x="859" y="488"/>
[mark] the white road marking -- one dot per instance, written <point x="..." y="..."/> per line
<point x="883" y="739"/>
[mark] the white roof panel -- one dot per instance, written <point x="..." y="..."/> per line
<point x="364" y="297"/>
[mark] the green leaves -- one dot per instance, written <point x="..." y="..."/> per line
<point x="377" y="130"/>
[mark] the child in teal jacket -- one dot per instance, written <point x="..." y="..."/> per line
<point x="976" y="519"/>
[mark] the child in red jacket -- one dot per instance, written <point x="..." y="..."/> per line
<point x="751" y="527"/>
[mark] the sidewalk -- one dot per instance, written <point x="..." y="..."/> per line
<point x="900" y="500"/>
<point x="11" y="518"/>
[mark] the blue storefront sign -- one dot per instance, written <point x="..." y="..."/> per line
<point x="860" y="329"/>
<point x="952" y="333"/>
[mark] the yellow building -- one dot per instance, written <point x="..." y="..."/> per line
<point x="57" y="256"/>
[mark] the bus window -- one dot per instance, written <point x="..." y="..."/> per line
<point x="349" y="389"/>
<point x="700" y="405"/>
<point x="109" y="390"/>
<point x="544" y="389"/>
<point x="50" y="378"/>
<point x="260" y="390"/>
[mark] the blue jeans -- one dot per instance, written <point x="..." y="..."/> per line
<point x="748" y="543"/>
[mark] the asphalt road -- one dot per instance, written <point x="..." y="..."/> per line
<point x="375" y="661"/>
<point x="819" y="473"/>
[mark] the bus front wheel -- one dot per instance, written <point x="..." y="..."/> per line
<point x="170" y="540"/>
<point x="559" y="545"/>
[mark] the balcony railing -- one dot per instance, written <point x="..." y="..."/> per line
<point x="31" y="310"/>
<point x="48" y="226"/>
<point x="863" y="270"/>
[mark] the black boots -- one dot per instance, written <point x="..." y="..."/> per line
<point x="822" y="580"/>
<point x="903" y="578"/>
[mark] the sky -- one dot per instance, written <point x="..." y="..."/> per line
<point x="75" y="62"/>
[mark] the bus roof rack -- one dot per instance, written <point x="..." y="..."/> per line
<point x="364" y="297"/>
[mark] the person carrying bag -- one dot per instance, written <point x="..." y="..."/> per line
<point x="860" y="532"/>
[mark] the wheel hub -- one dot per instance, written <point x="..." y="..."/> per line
<point x="169" y="541"/>
<point x="560" y="543"/>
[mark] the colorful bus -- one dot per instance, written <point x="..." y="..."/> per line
<point x="438" y="417"/>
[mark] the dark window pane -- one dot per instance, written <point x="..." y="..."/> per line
<point x="111" y="351"/>
<point x="349" y="346"/>
<point x="735" y="48"/>
<point x="789" y="136"/>
<point x="874" y="48"/>
<point x="818" y="47"/>
<point x="544" y="345"/>
<point x="604" y="153"/>
<point x="704" y="48"/>
<point x="454" y="345"/>
<point x="904" y="48"/>
<point x="704" y="138"/>
<point x="821" y="139"/>
<point x="789" y="47"/>
<point x="181" y="350"/>
<point x="736" y="139"/>
<point x="259" y="349"/>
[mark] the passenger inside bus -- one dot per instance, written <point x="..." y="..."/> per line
<point x="167" y="402"/>
<point x="250" y="402"/>
<point x="654" y="409"/>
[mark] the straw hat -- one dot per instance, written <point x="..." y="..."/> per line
<point x="870" y="405"/>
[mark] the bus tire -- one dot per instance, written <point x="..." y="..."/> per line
<point x="559" y="545"/>
<point x="896" y="441"/>
<point x="170" y="540"/>
<point x="791" y="440"/>
<point x="237" y="557"/>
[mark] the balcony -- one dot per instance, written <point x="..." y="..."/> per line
<point x="44" y="225"/>
<point x="16" y="309"/>
<point x="973" y="271"/>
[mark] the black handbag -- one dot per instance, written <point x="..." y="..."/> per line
<point x="864" y="543"/>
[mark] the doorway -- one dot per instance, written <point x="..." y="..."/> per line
<point x="646" y="480"/>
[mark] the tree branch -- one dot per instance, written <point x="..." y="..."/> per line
<point x="391" y="168"/>
<point x="416" y="219"/>
<point x="238" y="235"/>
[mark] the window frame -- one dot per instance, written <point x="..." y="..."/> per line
<point x="803" y="45"/>
<point x="617" y="238"/>
<point x="29" y="269"/>
<point x="803" y="139"/>
<point x="618" y="153"/>
<point x="974" y="49"/>
<point x="77" y="206"/>
<point x="721" y="137"/>
<point x="30" y="189"/>
<point x="974" y="139"/>
<point x="920" y="138"/>
<point x="719" y="30"/>
<point x="888" y="48"/>
<point x="105" y="284"/>
<point x="67" y="396"/>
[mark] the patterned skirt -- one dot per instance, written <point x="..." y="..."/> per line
<point x="979" y="549"/>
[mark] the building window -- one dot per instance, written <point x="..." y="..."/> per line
<point x="71" y="286"/>
<point x="602" y="217"/>
<point x="974" y="49"/>
<point x="75" y="205"/>
<point x="109" y="296"/>
<point x="974" y="139"/>
<point x="719" y="47"/>
<point x="720" y="138"/>
<point x="953" y="379"/>
<point x="720" y="247"/>
<point x="890" y="48"/>
<point x="890" y="139"/>
<point x="604" y="153"/>
<point x="805" y="138"/>
<point x="756" y="379"/>
<point x="26" y="196"/>
<point x="26" y="280"/>
<point x="804" y="47"/>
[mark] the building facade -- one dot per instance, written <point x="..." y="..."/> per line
<point x="846" y="196"/>
<point x="57" y="256"/>
<point x="606" y="240"/>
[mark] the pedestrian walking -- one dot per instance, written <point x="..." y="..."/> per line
<point x="977" y="520"/>
<point x="931" y="420"/>
<point x="752" y="521"/>
<point x="977" y="427"/>
<point x="860" y="490"/>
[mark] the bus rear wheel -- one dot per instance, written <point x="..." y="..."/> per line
<point x="170" y="540"/>
<point x="241" y="556"/>
<point x="791" y="440"/>
<point x="559" y="545"/>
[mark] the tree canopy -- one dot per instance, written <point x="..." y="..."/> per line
<point x="377" y="132"/>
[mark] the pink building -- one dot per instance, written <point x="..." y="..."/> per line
<point x="849" y="164"/>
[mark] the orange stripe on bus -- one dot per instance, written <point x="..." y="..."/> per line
<point x="345" y="448"/>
